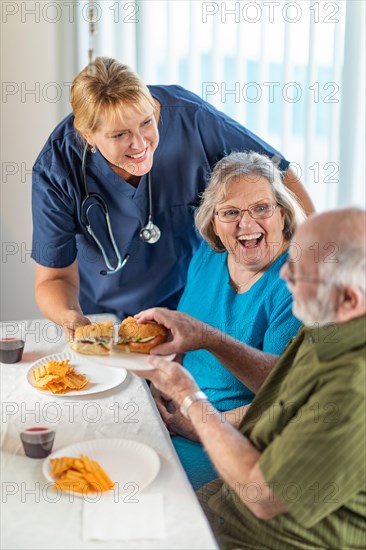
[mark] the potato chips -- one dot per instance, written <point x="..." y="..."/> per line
<point x="58" y="377"/>
<point x="82" y="475"/>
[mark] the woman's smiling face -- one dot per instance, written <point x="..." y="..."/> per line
<point x="254" y="243"/>
<point x="128" y="142"/>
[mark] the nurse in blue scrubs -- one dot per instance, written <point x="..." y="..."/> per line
<point x="115" y="189"/>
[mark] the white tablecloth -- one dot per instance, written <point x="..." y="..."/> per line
<point x="29" y="519"/>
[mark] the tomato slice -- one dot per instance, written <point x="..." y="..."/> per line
<point x="151" y="343"/>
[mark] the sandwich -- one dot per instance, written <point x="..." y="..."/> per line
<point x="95" y="339"/>
<point x="139" y="337"/>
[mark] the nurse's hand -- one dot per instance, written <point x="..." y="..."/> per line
<point x="186" y="332"/>
<point x="72" y="320"/>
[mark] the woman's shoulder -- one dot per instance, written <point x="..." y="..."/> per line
<point x="277" y="264"/>
<point x="176" y="96"/>
<point x="272" y="285"/>
<point x="204" y="258"/>
<point x="62" y="138"/>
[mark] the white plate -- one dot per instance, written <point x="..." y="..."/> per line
<point x="126" y="360"/>
<point x="101" y="377"/>
<point x="130" y="464"/>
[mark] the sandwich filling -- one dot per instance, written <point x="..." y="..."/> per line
<point x="102" y="342"/>
<point x="140" y="337"/>
<point x="94" y="338"/>
<point x="123" y="340"/>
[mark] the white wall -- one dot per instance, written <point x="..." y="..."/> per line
<point x="28" y="114"/>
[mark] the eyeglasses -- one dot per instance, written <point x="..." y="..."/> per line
<point x="257" y="212"/>
<point x="292" y="279"/>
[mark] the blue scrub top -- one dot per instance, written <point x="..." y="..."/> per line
<point x="193" y="137"/>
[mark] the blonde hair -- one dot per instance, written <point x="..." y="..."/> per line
<point x="112" y="88"/>
<point x="229" y="169"/>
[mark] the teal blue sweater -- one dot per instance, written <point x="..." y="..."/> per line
<point x="260" y="317"/>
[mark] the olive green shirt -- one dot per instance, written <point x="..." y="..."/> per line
<point x="308" y="421"/>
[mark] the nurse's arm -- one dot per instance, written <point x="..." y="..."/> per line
<point x="57" y="296"/>
<point x="293" y="183"/>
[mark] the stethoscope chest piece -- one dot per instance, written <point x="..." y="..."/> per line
<point x="150" y="233"/>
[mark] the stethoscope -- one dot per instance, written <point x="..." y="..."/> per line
<point x="150" y="233"/>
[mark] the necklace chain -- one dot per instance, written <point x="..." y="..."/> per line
<point x="238" y="286"/>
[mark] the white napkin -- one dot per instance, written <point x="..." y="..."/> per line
<point x="115" y="517"/>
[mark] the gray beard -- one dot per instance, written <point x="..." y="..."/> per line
<point x="319" y="312"/>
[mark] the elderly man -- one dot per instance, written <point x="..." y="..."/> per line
<point x="293" y="474"/>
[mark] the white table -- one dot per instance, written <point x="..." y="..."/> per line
<point x="29" y="521"/>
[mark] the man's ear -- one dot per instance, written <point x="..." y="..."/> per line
<point x="351" y="303"/>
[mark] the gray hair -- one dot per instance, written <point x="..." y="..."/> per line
<point x="238" y="165"/>
<point x="344" y="261"/>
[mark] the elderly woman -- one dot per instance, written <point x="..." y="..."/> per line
<point x="247" y="216"/>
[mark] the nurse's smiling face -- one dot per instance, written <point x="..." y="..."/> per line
<point x="127" y="142"/>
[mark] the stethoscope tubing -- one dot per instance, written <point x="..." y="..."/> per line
<point x="149" y="234"/>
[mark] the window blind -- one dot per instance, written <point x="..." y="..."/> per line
<point x="291" y="72"/>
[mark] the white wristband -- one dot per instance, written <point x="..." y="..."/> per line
<point x="190" y="399"/>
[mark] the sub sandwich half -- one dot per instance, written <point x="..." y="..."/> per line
<point x="139" y="337"/>
<point x="94" y="339"/>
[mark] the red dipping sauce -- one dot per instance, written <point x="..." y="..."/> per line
<point x="11" y="350"/>
<point x="37" y="442"/>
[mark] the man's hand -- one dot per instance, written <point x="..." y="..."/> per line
<point x="175" y="422"/>
<point x="71" y="321"/>
<point x="186" y="332"/>
<point x="170" y="379"/>
<point x="173" y="419"/>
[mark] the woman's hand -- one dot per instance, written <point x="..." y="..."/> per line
<point x="57" y="295"/>
<point x="72" y="320"/>
<point x="186" y="332"/>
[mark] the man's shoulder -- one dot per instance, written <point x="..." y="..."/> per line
<point x="327" y="360"/>
<point x="295" y="342"/>
<point x="333" y="341"/>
